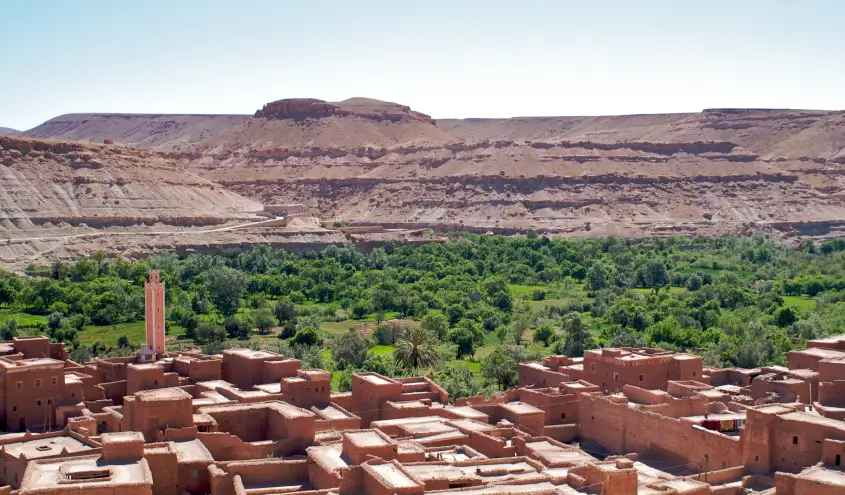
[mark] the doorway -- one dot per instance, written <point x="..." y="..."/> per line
<point x="22" y="424"/>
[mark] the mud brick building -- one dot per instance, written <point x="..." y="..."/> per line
<point x="633" y="421"/>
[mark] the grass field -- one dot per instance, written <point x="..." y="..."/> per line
<point x="108" y="335"/>
<point x="474" y="367"/>
<point x="382" y="350"/>
<point x="801" y="302"/>
<point x="23" y="319"/>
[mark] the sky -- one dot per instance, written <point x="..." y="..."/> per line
<point x="448" y="59"/>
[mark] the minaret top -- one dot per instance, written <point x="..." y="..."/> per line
<point x="154" y="278"/>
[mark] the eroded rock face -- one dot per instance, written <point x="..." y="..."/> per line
<point x="52" y="182"/>
<point x="362" y="160"/>
<point x="309" y="108"/>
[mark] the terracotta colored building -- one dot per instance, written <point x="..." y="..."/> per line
<point x="617" y="421"/>
<point x="155" y="313"/>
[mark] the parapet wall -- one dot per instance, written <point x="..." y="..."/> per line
<point x="622" y="429"/>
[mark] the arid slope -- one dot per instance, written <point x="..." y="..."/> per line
<point x="156" y="132"/>
<point x="54" y="182"/>
<point x="368" y="161"/>
<point x="714" y="172"/>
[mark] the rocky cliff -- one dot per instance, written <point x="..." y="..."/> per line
<point x="366" y="161"/>
<point x="719" y="171"/>
<point x="365" y="108"/>
<point x="54" y="184"/>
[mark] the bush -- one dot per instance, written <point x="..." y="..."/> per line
<point x="458" y="382"/>
<point x="215" y="347"/>
<point x="351" y="349"/>
<point x="359" y="310"/>
<point x="210" y="332"/>
<point x="54" y="321"/>
<point x="545" y="334"/>
<point x="8" y="329"/>
<point x="308" y="337"/>
<point x="464" y="339"/>
<point x="123" y="342"/>
<point x="284" y="311"/>
<point x="236" y="328"/>
<point x="77" y="322"/>
<point x="538" y="295"/>
<point x="264" y="320"/>
<point x="386" y="334"/>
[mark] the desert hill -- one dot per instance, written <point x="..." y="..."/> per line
<point x="367" y="161"/>
<point x="7" y="131"/>
<point x="156" y="132"/>
<point x="54" y="182"/>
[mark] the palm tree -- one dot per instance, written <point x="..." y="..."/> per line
<point x="416" y="348"/>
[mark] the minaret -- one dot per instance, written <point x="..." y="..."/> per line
<point x="154" y="299"/>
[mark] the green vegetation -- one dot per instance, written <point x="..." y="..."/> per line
<point x="465" y="312"/>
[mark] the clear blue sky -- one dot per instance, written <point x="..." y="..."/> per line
<point x="485" y="58"/>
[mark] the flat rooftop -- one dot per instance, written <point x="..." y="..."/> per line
<point x="426" y="429"/>
<point x="54" y="474"/>
<point x="249" y="353"/>
<point x="366" y="438"/>
<point x="819" y="352"/>
<point x="45" y="447"/>
<point x="836" y="478"/>
<point x="544" y="488"/>
<point x="375" y="379"/>
<point x="331" y="412"/>
<point x="393" y="475"/>
<point x="192" y="451"/>
<point x="163" y="394"/>
<point x="521" y="408"/>
<point x="329" y="456"/>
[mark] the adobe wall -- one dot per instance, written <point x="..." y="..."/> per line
<point x="225" y="447"/>
<point x="491" y="446"/>
<point x="310" y="392"/>
<point x="563" y="433"/>
<point x="833" y="451"/>
<point x="790" y="484"/>
<point x="533" y="422"/>
<point x="559" y="408"/>
<point x="660" y="402"/>
<point x="164" y="468"/>
<point x="280" y="426"/>
<point x="32" y="347"/>
<point x="274" y="371"/>
<point x="803" y="359"/>
<point x="32" y="394"/>
<point x="531" y="375"/>
<point x="144" y="377"/>
<point x="622" y="429"/>
<point x="153" y="417"/>
<point x="606" y="369"/>
<point x="357" y="454"/>
<point x="113" y="369"/>
<point x="796" y="445"/>
<point x="205" y="370"/>
<point x="367" y="397"/>
<point x="114" y="391"/>
<point x="241" y="371"/>
<point x="375" y="484"/>
<point x="342" y="399"/>
<point x="249" y="424"/>
<point x="268" y="472"/>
